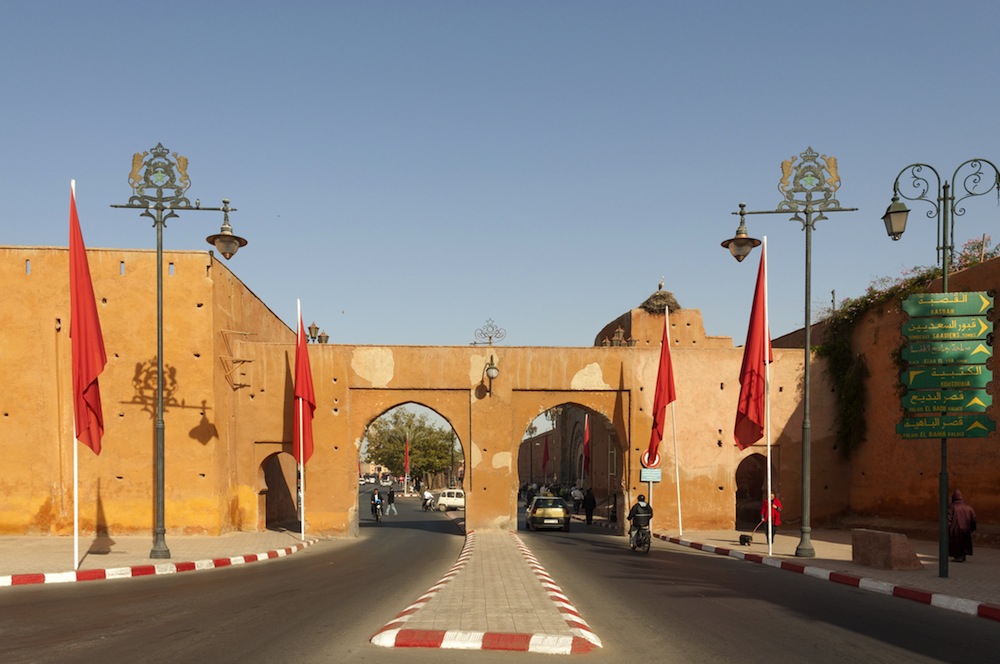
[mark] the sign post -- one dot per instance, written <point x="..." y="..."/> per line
<point x="949" y="341"/>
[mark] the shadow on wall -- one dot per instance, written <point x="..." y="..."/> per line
<point x="750" y="480"/>
<point x="279" y="498"/>
<point x="144" y="386"/>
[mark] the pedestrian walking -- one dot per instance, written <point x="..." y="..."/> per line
<point x="577" y="497"/>
<point x="769" y="528"/>
<point x="589" y="504"/>
<point x="961" y="525"/>
<point x="390" y="502"/>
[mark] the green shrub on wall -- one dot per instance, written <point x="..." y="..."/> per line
<point x="847" y="370"/>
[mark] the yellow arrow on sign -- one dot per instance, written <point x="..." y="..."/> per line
<point x="985" y="303"/>
<point x="981" y="349"/>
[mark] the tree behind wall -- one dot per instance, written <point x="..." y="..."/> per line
<point x="430" y="446"/>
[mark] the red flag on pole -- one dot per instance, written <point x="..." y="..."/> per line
<point x="586" y="443"/>
<point x="545" y="455"/>
<point x="305" y="401"/>
<point x="87" y="341"/>
<point x="664" y="395"/>
<point x="750" y="409"/>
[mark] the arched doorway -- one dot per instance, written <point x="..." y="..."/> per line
<point x="751" y="483"/>
<point x="415" y="444"/>
<point x="571" y="445"/>
<point x="277" y="487"/>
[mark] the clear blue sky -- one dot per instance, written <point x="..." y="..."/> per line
<point x="412" y="169"/>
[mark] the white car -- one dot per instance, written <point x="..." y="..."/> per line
<point x="451" y="499"/>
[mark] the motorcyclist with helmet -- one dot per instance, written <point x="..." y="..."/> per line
<point x="640" y="515"/>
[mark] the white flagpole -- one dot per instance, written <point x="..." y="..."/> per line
<point x="302" y="468"/>
<point x="673" y="424"/>
<point x="767" y="405"/>
<point x="76" y="468"/>
<point x="76" y="502"/>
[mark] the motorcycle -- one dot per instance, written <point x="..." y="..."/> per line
<point x="377" y="511"/>
<point x="428" y="504"/>
<point x="641" y="539"/>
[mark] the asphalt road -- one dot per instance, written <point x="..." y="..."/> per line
<point x="677" y="604"/>
<point x="324" y="603"/>
<point x="319" y="605"/>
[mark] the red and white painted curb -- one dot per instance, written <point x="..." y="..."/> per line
<point x="940" y="600"/>
<point x="394" y="635"/>
<point x="577" y="624"/>
<point x="147" y="570"/>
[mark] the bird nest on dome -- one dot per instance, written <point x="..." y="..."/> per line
<point x="658" y="301"/>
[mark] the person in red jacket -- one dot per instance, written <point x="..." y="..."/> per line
<point x="775" y="517"/>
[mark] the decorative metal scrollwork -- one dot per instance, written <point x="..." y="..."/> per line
<point x="490" y="332"/>
<point x="809" y="184"/>
<point x="159" y="181"/>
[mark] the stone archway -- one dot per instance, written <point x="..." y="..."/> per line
<point x="278" y="506"/>
<point x="558" y="456"/>
<point x="751" y="481"/>
<point x="413" y="433"/>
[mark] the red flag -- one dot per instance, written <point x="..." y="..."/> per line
<point x="664" y="395"/>
<point x="87" y="341"/>
<point x="545" y="455"/>
<point x="305" y="400"/>
<point x="586" y="443"/>
<point x="756" y="355"/>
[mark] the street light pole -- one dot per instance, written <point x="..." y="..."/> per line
<point x="158" y="186"/>
<point x="808" y="188"/>
<point x="944" y="208"/>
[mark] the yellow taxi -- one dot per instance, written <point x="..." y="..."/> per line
<point x="547" y="512"/>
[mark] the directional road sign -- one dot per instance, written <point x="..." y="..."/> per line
<point x="949" y="328"/>
<point x="946" y="426"/>
<point x="975" y="303"/>
<point x="950" y="377"/>
<point x="947" y="352"/>
<point x="947" y="401"/>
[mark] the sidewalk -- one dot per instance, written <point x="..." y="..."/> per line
<point x="496" y="597"/>
<point x="976" y="581"/>
<point x="972" y="587"/>
<point x="49" y="559"/>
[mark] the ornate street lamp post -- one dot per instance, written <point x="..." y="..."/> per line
<point x="159" y="183"/>
<point x="944" y="208"/>
<point x="808" y="188"/>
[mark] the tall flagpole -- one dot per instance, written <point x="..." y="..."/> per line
<point x="767" y="403"/>
<point x="76" y="502"/>
<point x="302" y="468"/>
<point x="673" y="426"/>
<point x="76" y="463"/>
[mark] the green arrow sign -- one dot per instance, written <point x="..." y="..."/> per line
<point x="948" y="352"/>
<point x="950" y="401"/>
<point x="974" y="303"/>
<point x="946" y="426"/>
<point x="947" y="377"/>
<point x="958" y="328"/>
